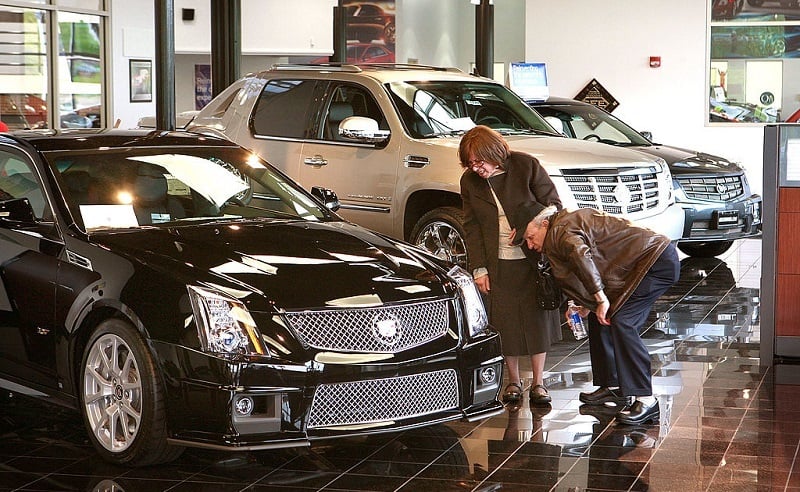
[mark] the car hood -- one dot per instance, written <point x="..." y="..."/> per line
<point x="287" y="265"/>
<point x="566" y="153"/>
<point x="684" y="161"/>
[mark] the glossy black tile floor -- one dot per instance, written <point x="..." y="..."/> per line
<point x="726" y="423"/>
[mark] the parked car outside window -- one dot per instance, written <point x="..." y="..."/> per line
<point x="713" y="191"/>
<point x="177" y="290"/>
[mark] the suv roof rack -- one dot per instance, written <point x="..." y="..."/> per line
<point x="349" y="67"/>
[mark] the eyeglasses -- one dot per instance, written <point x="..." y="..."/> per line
<point x="473" y="164"/>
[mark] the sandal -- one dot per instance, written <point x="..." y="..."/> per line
<point x="539" y="398"/>
<point x="512" y="393"/>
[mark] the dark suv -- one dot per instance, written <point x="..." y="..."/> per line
<point x="712" y="190"/>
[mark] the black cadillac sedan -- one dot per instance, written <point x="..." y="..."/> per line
<point x="145" y="284"/>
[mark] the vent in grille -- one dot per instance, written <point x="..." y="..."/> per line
<point x="616" y="194"/>
<point x="385" y="329"/>
<point x="381" y="400"/>
<point x="712" y="188"/>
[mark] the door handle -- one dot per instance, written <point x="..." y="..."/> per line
<point x="316" y="160"/>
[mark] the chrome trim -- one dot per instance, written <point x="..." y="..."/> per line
<point x="366" y="208"/>
<point x="416" y="161"/>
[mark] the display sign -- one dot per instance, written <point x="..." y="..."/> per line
<point x="596" y="94"/>
<point x="529" y="81"/>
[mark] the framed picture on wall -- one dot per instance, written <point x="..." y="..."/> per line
<point x="141" y="72"/>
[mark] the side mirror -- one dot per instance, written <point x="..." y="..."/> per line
<point x="647" y="135"/>
<point x="16" y="211"/>
<point x="362" y="129"/>
<point x="326" y="196"/>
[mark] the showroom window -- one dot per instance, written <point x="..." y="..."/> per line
<point x="52" y="57"/>
<point x="754" y="48"/>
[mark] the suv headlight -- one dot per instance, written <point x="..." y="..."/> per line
<point x="473" y="304"/>
<point x="224" y="324"/>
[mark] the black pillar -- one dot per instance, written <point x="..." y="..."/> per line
<point x="226" y="43"/>
<point x="484" y="39"/>
<point x="339" y="35"/>
<point x="165" y="64"/>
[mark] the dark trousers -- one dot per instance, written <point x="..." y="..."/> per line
<point x="619" y="356"/>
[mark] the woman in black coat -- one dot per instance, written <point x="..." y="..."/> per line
<point x="495" y="181"/>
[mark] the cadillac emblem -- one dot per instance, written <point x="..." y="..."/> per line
<point x="387" y="331"/>
<point x="622" y="194"/>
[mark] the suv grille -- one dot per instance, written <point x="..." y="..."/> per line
<point x="713" y="188"/>
<point x="616" y="194"/>
<point x="381" y="400"/>
<point x="386" y="329"/>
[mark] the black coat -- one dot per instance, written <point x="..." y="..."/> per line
<point x="524" y="180"/>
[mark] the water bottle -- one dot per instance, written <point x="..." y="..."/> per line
<point x="576" y="322"/>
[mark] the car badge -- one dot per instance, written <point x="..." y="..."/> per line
<point x="622" y="194"/>
<point x="722" y="188"/>
<point x="387" y="331"/>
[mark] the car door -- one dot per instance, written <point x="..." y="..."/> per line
<point x="364" y="176"/>
<point x="29" y="263"/>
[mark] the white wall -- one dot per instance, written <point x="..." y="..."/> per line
<point x="612" y="41"/>
<point x="132" y="37"/>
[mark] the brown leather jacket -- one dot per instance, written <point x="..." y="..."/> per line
<point x="591" y="250"/>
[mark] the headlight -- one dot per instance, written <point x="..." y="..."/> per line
<point x="224" y="324"/>
<point x="473" y="304"/>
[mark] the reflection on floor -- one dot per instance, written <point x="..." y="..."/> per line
<point x="726" y="423"/>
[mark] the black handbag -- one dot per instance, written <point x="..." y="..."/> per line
<point x="548" y="293"/>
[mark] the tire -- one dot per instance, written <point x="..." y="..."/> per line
<point x="122" y="399"/>
<point x="441" y="232"/>
<point x="707" y="249"/>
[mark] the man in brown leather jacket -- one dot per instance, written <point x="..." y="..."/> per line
<point x="616" y="270"/>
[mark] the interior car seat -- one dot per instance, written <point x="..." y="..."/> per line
<point x="152" y="204"/>
<point x="336" y="113"/>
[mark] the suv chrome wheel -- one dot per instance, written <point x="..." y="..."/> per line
<point x="440" y="232"/>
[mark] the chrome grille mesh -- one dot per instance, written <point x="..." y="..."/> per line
<point x="722" y="188"/>
<point x="384" y="329"/>
<point x="616" y="194"/>
<point x="381" y="400"/>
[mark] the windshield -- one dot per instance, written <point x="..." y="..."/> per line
<point x="444" y="108"/>
<point x="171" y="186"/>
<point x="588" y="122"/>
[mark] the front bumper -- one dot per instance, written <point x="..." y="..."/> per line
<point x="669" y="223"/>
<point x="713" y="221"/>
<point x="251" y="405"/>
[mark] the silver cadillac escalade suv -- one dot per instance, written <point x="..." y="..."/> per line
<point x="385" y="139"/>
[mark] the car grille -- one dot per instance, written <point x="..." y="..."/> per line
<point x="385" y="329"/>
<point x="615" y="194"/>
<point x="381" y="400"/>
<point x="716" y="189"/>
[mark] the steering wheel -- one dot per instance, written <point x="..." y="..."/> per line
<point x="489" y="121"/>
<point x="593" y="136"/>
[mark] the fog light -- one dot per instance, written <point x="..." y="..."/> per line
<point x="488" y="375"/>
<point x="244" y="406"/>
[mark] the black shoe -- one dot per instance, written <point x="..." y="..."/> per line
<point x="603" y="395"/>
<point x="512" y="393"/>
<point x="639" y="413"/>
<point x="539" y="398"/>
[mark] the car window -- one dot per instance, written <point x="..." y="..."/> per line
<point x="433" y="108"/>
<point x="283" y="109"/>
<point x="18" y="179"/>
<point x="152" y="187"/>
<point x="350" y="100"/>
